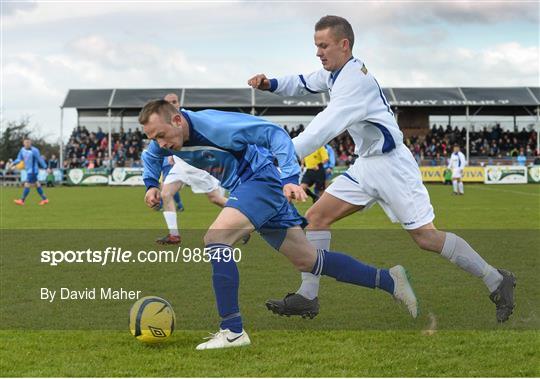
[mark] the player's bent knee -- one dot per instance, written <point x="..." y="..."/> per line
<point x="211" y="236"/>
<point x="215" y="199"/>
<point x="222" y="236"/>
<point x="426" y="240"/>
<point x="317" y="220"/>
<point x="167" y="193"/>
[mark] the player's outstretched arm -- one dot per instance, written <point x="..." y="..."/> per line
<point x="292" y="85"/>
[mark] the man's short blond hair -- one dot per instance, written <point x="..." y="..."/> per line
<point x="161" y="107"/>
<point x="341" y="28"/>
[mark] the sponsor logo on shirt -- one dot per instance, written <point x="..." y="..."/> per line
<point x="364" y="69"/>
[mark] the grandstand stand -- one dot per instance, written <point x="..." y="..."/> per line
<point x="89" y="150"/>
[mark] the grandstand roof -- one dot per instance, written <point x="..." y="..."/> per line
<point x="249" y="98"/>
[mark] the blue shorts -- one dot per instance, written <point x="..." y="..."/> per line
<point x="261" y="200"/>
<point x="31" y="178"/>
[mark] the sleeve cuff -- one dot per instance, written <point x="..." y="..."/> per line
<point x="149" y="183"/>
<point x="291" y="179"/>
<point x="273" y="85"/>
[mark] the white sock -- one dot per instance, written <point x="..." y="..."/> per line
<point x="310" y="283"/>
<point x="459" y="252"/>
<point x="454" y="185"/>
<point x="170" y="219"/>
<point x="460" y="186"/>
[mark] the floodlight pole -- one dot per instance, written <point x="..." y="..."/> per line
<point x="253" y="113"/>
<point x="61" y="153"/>
<point x="538" y="130"/>
<point x="110" y="137"/>
<point x="467" y="126"/>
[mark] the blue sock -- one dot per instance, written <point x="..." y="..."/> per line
<point x="25" y="193"/>
<point x="178" y="201"/>
<point x="346" y="269"/>
<point x="226" y="281"/>
<point x="40" y="191"/>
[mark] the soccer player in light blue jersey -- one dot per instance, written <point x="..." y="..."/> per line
<point x="32" y="159"/>
<point x="246" y="148"/>
<point x="172" y="98"/>
<point x="329" y="166"/>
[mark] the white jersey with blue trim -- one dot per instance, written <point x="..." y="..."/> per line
<point x="457" y="160"/>
<point x="32" y="160"/>
<point x="230" y="146"/>
<point x="357" y="104"/>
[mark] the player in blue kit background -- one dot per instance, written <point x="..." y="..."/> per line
<point x="260" y="193"/>
<point x="33" y="161"/>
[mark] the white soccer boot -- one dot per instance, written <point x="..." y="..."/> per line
<point x="225" y="338"/>
<point x="403" y="291"/>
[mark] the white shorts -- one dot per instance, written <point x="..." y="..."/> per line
<point x="457" y="173"/>
<point x="199" y="180"/>
<point x="394" y="181"/>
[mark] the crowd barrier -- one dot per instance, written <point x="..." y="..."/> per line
<point x="126" y="176"/>
<point x="487" y="174"/>
<point x="120" y="176"/>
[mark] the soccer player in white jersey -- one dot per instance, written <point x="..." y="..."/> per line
<point x="457" y="163"/>
<point x="199" y="180"/>
<point x="385" y="171"/>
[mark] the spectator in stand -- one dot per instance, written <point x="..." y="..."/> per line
<point x="521" y="158"/>
<point x="100" y="135"/>
<point x="132" y="156"/>
<point x="495" y="143"/>
<point x="120" y="162"/>
<point x="106" y="161"/>
<point x="53" y="162"/>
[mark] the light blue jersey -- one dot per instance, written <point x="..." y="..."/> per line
<point x="331" y="163"/>
<point x="32" y="160"/>
<point x="230" y="146"/>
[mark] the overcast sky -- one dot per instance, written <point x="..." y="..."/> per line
<point x="49" y="47"/>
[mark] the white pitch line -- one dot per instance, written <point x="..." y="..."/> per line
<point x="502" y="190"/>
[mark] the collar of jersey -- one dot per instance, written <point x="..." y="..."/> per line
<point x="334" y="74"/>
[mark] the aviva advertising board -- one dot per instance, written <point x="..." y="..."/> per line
<point x="436" y="174"/>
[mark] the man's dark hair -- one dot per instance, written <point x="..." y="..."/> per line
<point x="161" y="107"/>
<point x="340" y="27"/>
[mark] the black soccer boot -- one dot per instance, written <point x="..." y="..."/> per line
<point x="294" y="305"/>
<point x="503" y="296"/>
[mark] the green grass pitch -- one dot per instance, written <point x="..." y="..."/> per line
<point x="359" y="332"/>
